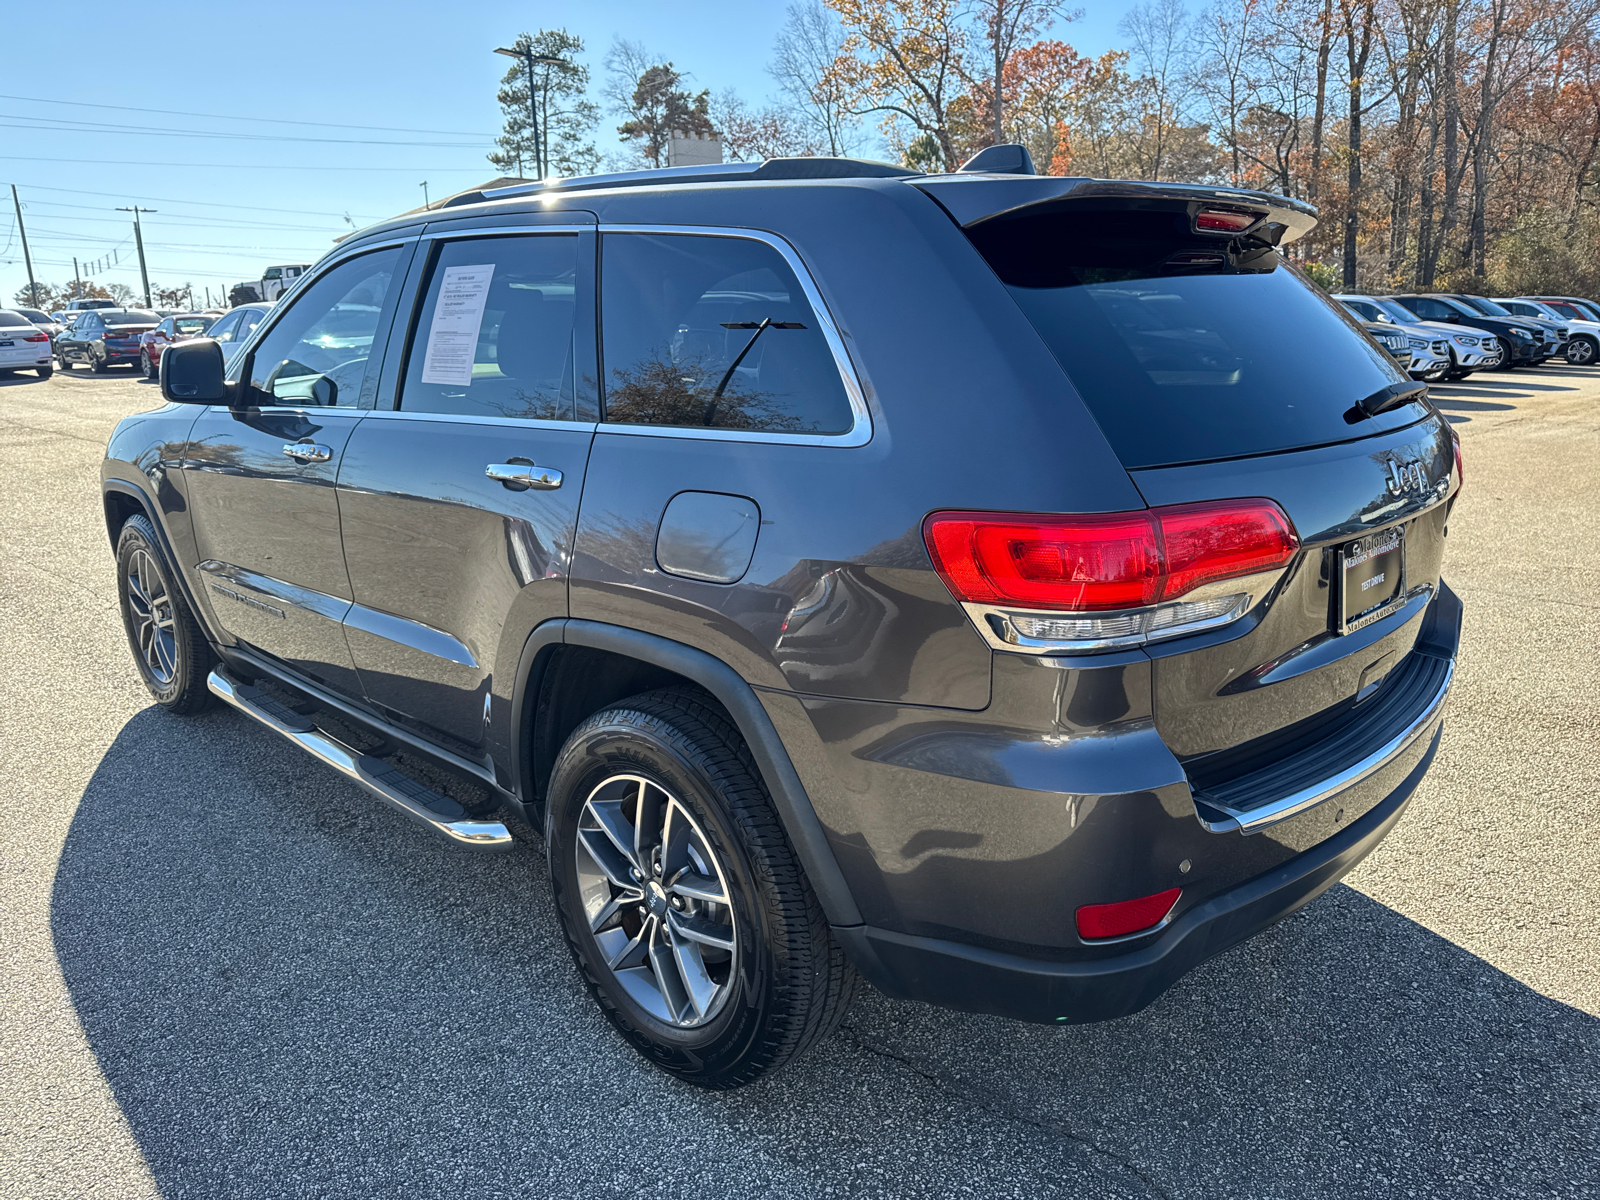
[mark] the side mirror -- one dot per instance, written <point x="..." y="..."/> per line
<point x="192" y="372"/>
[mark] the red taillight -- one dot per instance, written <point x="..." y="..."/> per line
<point x="1098" y="562"/>
<point x="1221" y="220"/>
<point x="1126" y="916"/>
<point x="37" y="337"/>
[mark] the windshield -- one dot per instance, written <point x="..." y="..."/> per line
<point x="191" y="326"/>
<point x="1183" y="350"/>
<point x="1487" y="307"/>
<point x="1398" y="312"/>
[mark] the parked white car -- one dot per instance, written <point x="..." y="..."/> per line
<point x="23" y="345"/>
<point x="1471" y="349"/>
<point x="1430" y="348"/>
<point x="1583" y="337"/>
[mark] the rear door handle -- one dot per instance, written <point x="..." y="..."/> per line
<point x="307" y="452"/>
<point x="524" y="475"/>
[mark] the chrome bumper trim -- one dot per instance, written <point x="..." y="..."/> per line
<point x="480" y="835"/>
<point x="1254" y="820"/>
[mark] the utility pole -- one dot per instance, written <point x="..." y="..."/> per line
<point x="78" y="275"/>
<point x="138" y="239"/>
<point x="426" y="203"/>
<point x="33" y="288"/>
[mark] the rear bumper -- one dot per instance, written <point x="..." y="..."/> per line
<point x="974" y="979"/>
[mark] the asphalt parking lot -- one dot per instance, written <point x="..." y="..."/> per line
<point x="227" y="973"/>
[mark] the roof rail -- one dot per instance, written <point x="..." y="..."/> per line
<point x="772" y="168"/>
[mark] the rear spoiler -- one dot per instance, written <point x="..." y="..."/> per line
<point x="972" y="199"/>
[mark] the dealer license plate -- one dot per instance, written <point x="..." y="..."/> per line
<point x="1371" y="576"/>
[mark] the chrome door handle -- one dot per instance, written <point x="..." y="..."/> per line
<point x="307" y="452"/>
<point x="525" y="475"/>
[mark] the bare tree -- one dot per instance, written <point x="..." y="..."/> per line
<point x="1003" y="28"/>
<point x="1157" y="31"/>
<point x="802" y="58"/>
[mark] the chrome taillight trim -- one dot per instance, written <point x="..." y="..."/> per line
<point x="998" y="624"/>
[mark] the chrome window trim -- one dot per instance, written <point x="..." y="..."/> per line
<point x="860" y="431"/>
<point x="391" y="414"/>
<point x="476" y="231"/>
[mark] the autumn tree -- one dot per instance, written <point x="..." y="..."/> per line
<point x="904" y="60"/>
<point x="752" y="135"/>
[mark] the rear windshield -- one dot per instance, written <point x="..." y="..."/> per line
<point x="8" y="319"/>
<point x="194" y="325"/>
<point x="1182" y="351"/>
<point x="124" y="319"/>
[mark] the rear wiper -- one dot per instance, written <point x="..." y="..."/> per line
<point x="760" y="327"/>
<point x="1386" y="398"/>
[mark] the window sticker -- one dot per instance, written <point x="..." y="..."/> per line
<point x="457" y="318"/>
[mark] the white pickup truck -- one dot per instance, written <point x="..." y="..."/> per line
<point x="273" y="283"/>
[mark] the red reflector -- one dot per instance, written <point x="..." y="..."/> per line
<point x="1220" y="220"/>
<point x="1097" y="562"/>
<point x="1126" y="916"/>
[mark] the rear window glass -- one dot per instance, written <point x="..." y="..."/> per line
<point x="713" y="332"/>
<point x="11" y="318"/>
<point x="130" y="317"/>
<point x="1181" y="352"/>
<point x="194" y="325"/>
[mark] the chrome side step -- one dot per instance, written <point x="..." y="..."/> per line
<point x="385" y="781"/>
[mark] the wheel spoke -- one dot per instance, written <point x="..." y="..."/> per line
<point x="611" y="860"/>
<point x="693" y="886"/>
<point x="613" y="906"/>
<point x="636" y="949"/>
<point x="167" y="652"/>
<point x="609" y="820"/>
<point x="698" y="929"/>
<point x="664" y="962"/>
<point x="647" y="817"/>
<point x="699" y="986"/>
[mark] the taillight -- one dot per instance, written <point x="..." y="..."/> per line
<point x="1222" y="220"/>
<point x="36" y="337"/>
<point x="1110" y="579"/>
<point x="1097" y="921"/>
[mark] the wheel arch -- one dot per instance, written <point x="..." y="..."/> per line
<point x="573" y="668"/>
<point x="122" y="500"/>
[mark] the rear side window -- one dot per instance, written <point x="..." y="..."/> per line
<point x="1183" y="350"/>
<point x="495" y="337"/>
<point x="713" y="333"/>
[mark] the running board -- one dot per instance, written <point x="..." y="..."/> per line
<point x="384" y="780"/>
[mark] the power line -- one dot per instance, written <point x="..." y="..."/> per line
<point x="304" y="212"/>
<point x="65" y="125"/>
<point x="168" y="112"/>
<point x="205" y="221"/>
<point x="139" y="162"/>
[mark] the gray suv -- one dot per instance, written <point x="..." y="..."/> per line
<point x="961" y="582"/>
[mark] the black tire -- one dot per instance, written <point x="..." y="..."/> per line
<point x="1583" y="351"/>
<point x="145" y="365"/>
<point x="44" y="372"/>
<point x="788" y="983"/>
<point x="98" y="365"/>
<point x="174" y="667"/>
<point x="64" y="362"/>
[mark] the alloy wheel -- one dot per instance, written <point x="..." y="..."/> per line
<point x="153" y="620"/>
<point x="657" y="900"/>
<point x="1580" y="352"/>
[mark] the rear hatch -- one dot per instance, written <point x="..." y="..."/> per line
<point x="1217" y="371"/>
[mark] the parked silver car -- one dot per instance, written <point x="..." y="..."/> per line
<point x="1430" y="348"/>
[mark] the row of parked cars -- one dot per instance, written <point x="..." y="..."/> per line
<point x="103" y="335"/>
<point x="1438" y="336"/>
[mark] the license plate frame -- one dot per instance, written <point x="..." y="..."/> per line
<point x="1355" y="562"/>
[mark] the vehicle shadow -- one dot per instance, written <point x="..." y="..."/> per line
<point x="18" y="379"/>
<point x="292" y="991"/>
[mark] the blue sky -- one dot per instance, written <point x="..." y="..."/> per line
<point x="228" y="206"/>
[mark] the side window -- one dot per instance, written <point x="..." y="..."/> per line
<point x="316" y="352"/>
<point x="165" y="327"/>
<point x="89" y="325"/>
<point x="713" y="333"/>
<point x="496" y="334"/>
<point x="1431" y="309"/>
<point x="225" y="328"/>
<point x="248" y="320"/>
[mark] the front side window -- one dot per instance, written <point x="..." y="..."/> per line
<point x="316" y="353"/>
<point x="165" y="327"/>
<point x="1432" y="309"/>
<point x="496" y="334"/>
<point x="713" y="333"/>
<point x="1365" y="310"/>
<point x="225" y="328"/>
